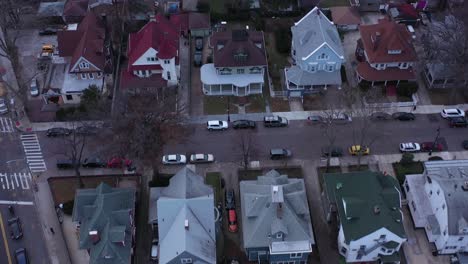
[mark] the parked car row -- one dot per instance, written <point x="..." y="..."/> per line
<point x="178" y="159"/>
<point x="95" y="162"/>
<point x="81" y="130"/>
<point x="16" y="233"/>
<point x="268" y="121"/>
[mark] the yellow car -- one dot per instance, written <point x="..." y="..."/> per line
<point x="357" y="149"/>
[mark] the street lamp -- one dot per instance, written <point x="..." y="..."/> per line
<point x="435" y="141"/>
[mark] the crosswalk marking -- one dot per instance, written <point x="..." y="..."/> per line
<point x="6" y="125"/>
<point x="33" y="152"/>
<point x="14" y="181"/>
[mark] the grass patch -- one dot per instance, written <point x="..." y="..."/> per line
<point x="217" y="105"/>
<point x="443" y="97"/>
<point x="214" y="179"/>
<point x="161" y="181"/>
<point x="256" y="104"/>
<point x="279" y="105"/>
<point x="291" y="172"/>
<point x="276" y="61"/>
<point x="249" y="175"/>
<point x="313" y="102"/>
<point x="410" y="168"/>
<point x="331" y="3"/>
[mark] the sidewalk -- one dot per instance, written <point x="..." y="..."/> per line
<point x="71" y="236"/>
<point x="55" y="243"/>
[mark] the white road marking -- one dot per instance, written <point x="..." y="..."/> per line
<point x="6" y="125"/>
<point x="16" y="202"/>
<point x="32" y="150"/>
<point x="21" y="179"/>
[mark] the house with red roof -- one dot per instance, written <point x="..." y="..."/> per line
<point x="153" y="53"/>
<point x="385" y="53"/>
<point x="86" y="52"/>
<point x="239" y="63"/>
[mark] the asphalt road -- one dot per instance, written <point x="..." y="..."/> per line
<point x="306" y="140"/>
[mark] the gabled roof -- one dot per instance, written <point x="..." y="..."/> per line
<point x="345" y="15"/>
<point x="366" y="202"/>
<point x="186" y="220"/>
<point x="159" y="34"/>
<point x="238" y="48"/>
<point x="296" y="75"/>
<point x="313" y="31"/>
<point x="378" y="39"/>
<point x="87" y="41"/>
<point x="275" y="204"/>
<point x="108" y="211"/>
<point x="75" y="8"/>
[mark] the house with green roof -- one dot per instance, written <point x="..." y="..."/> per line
<point x="105" y="218"/>
<point x="368" y="209"/>
<point x="276" y="222"/>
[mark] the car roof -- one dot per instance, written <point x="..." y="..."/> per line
<point x="277" y="151"/>
<point x="214" y="122"/>
<point x="172" y="156"/>
<point x="408" y="145"/>
<point x="199" y="156"/>
<point x="452" y="110"/>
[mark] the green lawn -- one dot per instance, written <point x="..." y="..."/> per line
<point x="411" y="168"/>
<point x="331" y="3"/>
<point x="214" y="179"/>
<point x="256" y="104"/>
<point x="217" y="105"/>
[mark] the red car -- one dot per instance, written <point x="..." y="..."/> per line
<point x="428" y="146"/>
<point x="118" y="162"/>
<point x="232" y="220"/>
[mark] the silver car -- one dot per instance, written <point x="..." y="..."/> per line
<point x="201" y="158"/>
<point x="3" y="106"/>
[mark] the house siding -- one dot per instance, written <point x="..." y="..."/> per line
<point x="252" y="253"/>
<point x="287" y="258"/>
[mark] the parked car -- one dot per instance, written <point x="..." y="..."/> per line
<point x="230" y="199"/>
<point x="94" y="162"/>
<point x="174" y="159"/>
<point x="154" y="249"/>
<point x="314" y="119"/>
<point x="280" y="153"/>
<point x="430" y="146"/>
<point x="58" y="131"/>
<point x="410" y="147"/>
<point x="199" y="43"/>
<point x="16" y="231"/>
<point x="458" y="122"/>
<point x="34" y="87"/>
<point x="465" y="144"/>
<point x="452" y="112"/>
<point x="48" y="31"/>
<point x="119" y="162"/>
<point x="333" y="151"/>
<point x="3" y="106"/>
<point x="21" y="256"/>
<point x="201" y="158"/>
<point x="232" y="220"/>
<point x="380" y="116"/>
<point x="341" y="118"/>
<point x="86" y="130"/>
<point x="358" y="150"/>
<point x="197" y="58"/>
<point x="240" y="124"/>
<point x="275" y="121"/>
<point x="217" y="125"/>
<point x="404" y="116"/>
<point x="64" y="164"/>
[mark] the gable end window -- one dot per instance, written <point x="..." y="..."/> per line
<point x="185" y="260"/>
<point x="295" y="255"/>
<point x="323" y="56"/>
<point x="84" y="65"/>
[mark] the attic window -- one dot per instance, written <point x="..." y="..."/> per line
<point x="394" y="51"/>
<point x="151" y="59"/>
<point x="279" y="235"/>
<point x="84" y="65"/>
<point x="323" y="56"/>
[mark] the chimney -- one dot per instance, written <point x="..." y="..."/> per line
<point x="376" y="40"/>
<point x="94" y="236"/>
<point x="186" y="224"/>
<point x="376" y="209"/>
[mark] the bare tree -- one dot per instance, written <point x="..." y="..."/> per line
<point x="74" y="146"/>
<point x="247" y="147"/>
<point x="329" y="126"/>
<point x="445" y="43"/>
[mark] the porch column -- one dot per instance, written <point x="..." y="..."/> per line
<point x="398" y="82"/>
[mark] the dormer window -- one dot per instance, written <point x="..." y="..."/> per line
<point x="394" y="51"/>
<point x="279" y="235"/>
<point x="84" y="65"/>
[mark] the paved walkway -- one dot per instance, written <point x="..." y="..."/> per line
<point x="71" y="237"/>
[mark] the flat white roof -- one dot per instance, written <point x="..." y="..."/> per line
<point x="290" y="246"/>
<point x="210" y="77"/>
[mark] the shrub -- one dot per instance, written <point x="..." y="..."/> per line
<point x="68" y="207"/>
<point x="283" y="40"/>
<point x="365" y="86"/>
<point x="406" y="159"/>
<point x="435" y="158"/>
<point x="407" y="89"/>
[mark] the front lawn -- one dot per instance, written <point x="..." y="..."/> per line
<point x="401" y="170"/>
<point x="217" y="105"/>
<point x="256" y="104"/>
<point x="214" y="179"/>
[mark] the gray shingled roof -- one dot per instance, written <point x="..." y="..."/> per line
<point x="298" y="76"/>
<point x="363" y="192"/>
<point x="107" y="211"/>
<point x="187" y="198"/>
<point x="262" y="219"/>
<point x="451" y="176"/>
<point x="313" y="31"/>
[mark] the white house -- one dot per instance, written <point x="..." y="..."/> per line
<point x="438" y="202"/>
<point x="368" y="208"/>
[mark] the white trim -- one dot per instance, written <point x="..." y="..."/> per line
<point x="319" y="47"/>
<point x="311" y="11"/>
<point x="77" y="64"/>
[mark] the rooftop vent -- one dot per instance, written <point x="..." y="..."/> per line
<point x="339" y="185"/>
<point x="186" y="224"/>
<point x="376" y="209"/>
<point x="465" y="186"/>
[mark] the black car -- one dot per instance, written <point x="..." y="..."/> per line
<point x="230" y="199"/>
<point x="332" y="151"/>
<point x="380" y="116"/>
<point x="280" y="153"/>
<point x="86" y="130"/>
<point x="64" y="164"/>
<point x="458" y="122"/>
<point x="94" y="163"/>
<point x="21" y="256"/>
<point x="58" y="131"/>
<point x="404" y="116"/>
<point x="239" y="124"/>
<point x="16" y="231"/>
<point x="465" y="144"/>
<point x="197" y="58"/>
<point x="198" y="43"/>
<point x="48" y="31"/>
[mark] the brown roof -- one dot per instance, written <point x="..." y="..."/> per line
<point x="345" y="15"/>
<point x="387" y="35"/>
<point x="368" y="73"/>
<point x="238" y="48"/>
<point x="74" y="10"/>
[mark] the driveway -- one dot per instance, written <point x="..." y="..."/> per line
<point x="196" y="92"/>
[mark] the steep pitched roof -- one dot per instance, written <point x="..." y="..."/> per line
<point x="345" y="15"/>
<point x="108" y="211"/>
<point x="159" y="34"/>
<point x="386" y="35"/>
<point x="238" y="48"/>
<point x="358" y="196"/>
<point x="186" y="221"/>
<point x="275" y="204"/>
<point x="75" y="8"/>
<point x="87" y="41"/>
<point x="313" y="31"/>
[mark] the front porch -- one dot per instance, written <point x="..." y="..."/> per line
<point x="230" y="89"/>
<point x="393" y="75"/>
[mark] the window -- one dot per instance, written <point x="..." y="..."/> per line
<point x="90" y="75"/>
<point x="279" y="235"/>
<point x="430" y="193"/>
<point x="99" y="74"/>
<point x="240" y="71"/>
<point x="185" y="260"/>
<point x="84" y="65"/>
<point x="83" y="76"/>
<point x="167" y="61"/>
<point x="295" y="255"/>
<point x="151" y="59"/>
<point x="69" y="97"/>
<point x="407" y="187"/>
<point x="413" y="205"/>
<point x="168" y="75"/>
<point x="389" y="250"/>
<point x="323" y="56"/>
<point x="404" y="65"/>
<point x="438" y="192"/>
<point x="382" y="249"/>
<point x="382" y="237"/>
<point x="331" y="68"/>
